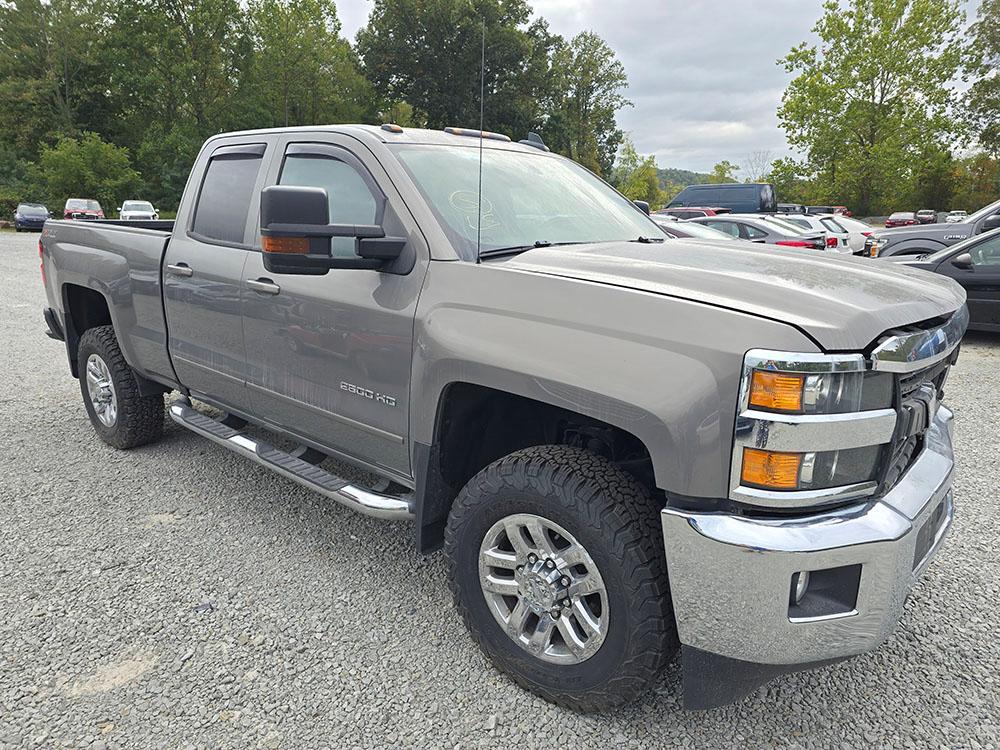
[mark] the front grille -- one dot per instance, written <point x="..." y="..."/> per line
<point x="914" y="408"/>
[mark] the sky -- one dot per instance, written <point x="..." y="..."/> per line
<point x="703" y="76"/>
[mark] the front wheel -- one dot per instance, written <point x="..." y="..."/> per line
<point x="121" y="415"/>
<point x="557" y="566"/>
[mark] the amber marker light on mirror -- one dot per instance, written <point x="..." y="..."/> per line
<point x="291" y="245"/>
<point x="777" y="391"/>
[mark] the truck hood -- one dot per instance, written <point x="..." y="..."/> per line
<point x="843" y="302"/>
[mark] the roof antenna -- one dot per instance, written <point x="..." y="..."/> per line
<point x="482" y="88"/>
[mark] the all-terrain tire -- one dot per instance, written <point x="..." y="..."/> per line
<point x="139" y="418"/>
<point x="612" y="516"/>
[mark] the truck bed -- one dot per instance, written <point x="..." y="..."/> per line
<point x="119" y="260"/>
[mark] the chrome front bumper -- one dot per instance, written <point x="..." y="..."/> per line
<point x="730" y="576"/>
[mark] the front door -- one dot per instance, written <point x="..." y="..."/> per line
<point x="329" y="356"/>
<point x="202" y="272"/>
<point x="981" y="282"/>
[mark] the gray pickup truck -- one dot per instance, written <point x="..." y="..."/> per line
<point x="924" y="239"/>
<point x="628" y="445"/>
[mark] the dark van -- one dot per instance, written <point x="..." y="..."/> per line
<point x="740" y="198"/>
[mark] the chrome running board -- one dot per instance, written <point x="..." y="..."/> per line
<point x="377" y="505"/>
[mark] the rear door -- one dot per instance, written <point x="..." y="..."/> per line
<point x="203" y="267"/>
<point x="329" y="356"/>
<point x="981" y="282"/>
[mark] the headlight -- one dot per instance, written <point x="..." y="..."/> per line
<point x="810" y="429"/>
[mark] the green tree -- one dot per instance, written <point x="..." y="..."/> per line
<point x="977" y="182"/>
<point x="983" y="98"/>
<point x="303" y="72"/>
<point x="786" y="176"/>
<point x="49" y="81"/>
<point x="636" y="176"/>
<point x="723" y="172"/>
<point x="427" y="53"/>
<point x="587" y="91"/>
<point x="873" y="95"/>
<point x="86" y="167"/>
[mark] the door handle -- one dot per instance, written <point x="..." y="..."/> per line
<point x="263" y="286"/>
<point x="180" y="269"/>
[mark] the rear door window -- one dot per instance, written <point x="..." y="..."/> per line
<point x="224" y="201"/>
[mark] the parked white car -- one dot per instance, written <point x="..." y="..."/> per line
<point x="955" y="217"/>
<point x="137" y="210"/>
<point x="838" y="237"/>
<point x="858" y="232"/>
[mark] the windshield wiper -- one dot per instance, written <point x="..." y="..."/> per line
<point x="648" y="240"/>
<point x="514" y="249"/>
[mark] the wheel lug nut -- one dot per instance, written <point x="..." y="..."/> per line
<point x="555" y="614"/>
<point x="566" y="603"/>
<point x="564" y="581"/>
<point x="532" y="558"/>
<point x="549" y="564"/>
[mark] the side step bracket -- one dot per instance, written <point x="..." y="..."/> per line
<point x="306" y="473"/>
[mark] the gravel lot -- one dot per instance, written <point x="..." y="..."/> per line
<point x="178" y="596"/>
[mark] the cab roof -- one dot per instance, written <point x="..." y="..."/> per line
<point x="425" y="136"/>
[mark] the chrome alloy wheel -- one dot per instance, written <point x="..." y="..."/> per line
<point x="101" y="390"/>
<point x="543" y="588"/>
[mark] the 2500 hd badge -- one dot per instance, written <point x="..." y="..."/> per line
<point x="357" y="390"/>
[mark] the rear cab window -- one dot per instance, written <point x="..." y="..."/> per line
<point x="220" y="214"/>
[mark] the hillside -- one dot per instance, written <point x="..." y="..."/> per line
<point x="681" y="177"/>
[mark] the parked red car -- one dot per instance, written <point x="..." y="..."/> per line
<point x="692" y="212"/>
<point x="83" y="208"/>
<point x="902" y="219"/>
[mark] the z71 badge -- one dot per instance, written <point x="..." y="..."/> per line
<point x="357" y="390"/>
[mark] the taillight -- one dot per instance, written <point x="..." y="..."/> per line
<point x="831" y="241"/>
<point x="867" y="234"/>
<point x="41" y="261"/>
<point x="793" y="243"/>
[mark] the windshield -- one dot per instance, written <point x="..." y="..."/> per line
<point x="700" y="231"/>
<point x="137" y="206"/>
<point x="527" y="198"/>
<point x="79" y="204"/>
<point x="25" y="210"/>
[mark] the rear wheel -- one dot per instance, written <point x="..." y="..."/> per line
<point x="121" y="415"/>
<point x="557" y="566"/>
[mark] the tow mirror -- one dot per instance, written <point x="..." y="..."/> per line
<point x="963" y="261"/>
<point x="296" y="233"/>
<point x="991" y="222"/>
<point x="643" y="205"/>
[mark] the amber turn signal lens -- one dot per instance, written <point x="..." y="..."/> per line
<point x="293" y="245"/>
<point x="770" y="469"/>
<point x="780" y="391"/>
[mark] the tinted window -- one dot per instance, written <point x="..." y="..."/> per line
<point x="753" y="233"/>
<point x="350" y="200"/>
<point x="798" y="222"/>
<point x="221" y="213"/>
